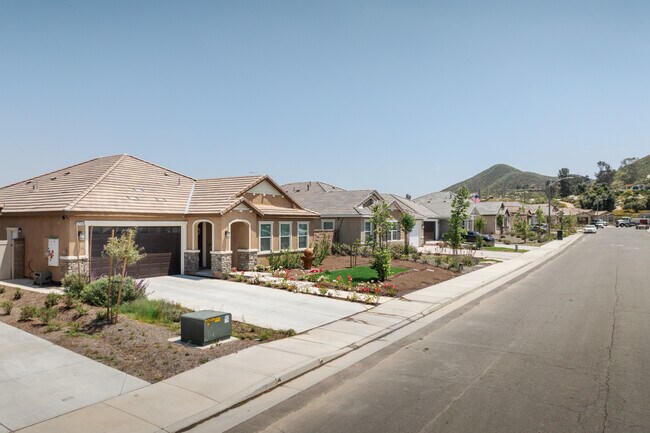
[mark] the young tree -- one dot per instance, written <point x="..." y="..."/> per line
<point x="459" y="206"/>
<point x="124" y="251"/>
<point x="521" y="225"/>
<point x="629" y="170"/>
<point x="565" y="182"/>
<point x="501" y="221"/>
<point x="539" y="215"/>
<point x="381" y="258"/>
<point x="408" y="223"/>
<point x="381" y="223"/>
<point x="479" y="225"/>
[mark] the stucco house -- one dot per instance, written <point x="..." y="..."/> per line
<point x="490" y="212"/>
<point x="347" y="213"/>
<point x="61" y="220"/>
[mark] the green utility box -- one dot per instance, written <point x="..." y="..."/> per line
<point x="206" y="327"/>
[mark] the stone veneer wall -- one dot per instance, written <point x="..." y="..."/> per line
<point x="221" y="263"/>
<point x="246" y="260"/>
<point x="191" y="262"/>
<point x="72" y="264"/>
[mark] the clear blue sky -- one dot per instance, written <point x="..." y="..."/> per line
<point x="403" y="97"/>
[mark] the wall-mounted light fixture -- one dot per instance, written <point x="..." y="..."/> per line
<point x="227" y="234"/>
<point x="81" y="235"/>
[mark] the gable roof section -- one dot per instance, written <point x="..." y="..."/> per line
<point x="337" y="203"/>
<point x="107" y="184"/>
<point x="488" y="208"/>
<point x="438" y="202"/>
<point x="418" y="210"/>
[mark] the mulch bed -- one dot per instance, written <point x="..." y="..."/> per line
<point x="139" y="349"/>
<point x="418" y="275"/>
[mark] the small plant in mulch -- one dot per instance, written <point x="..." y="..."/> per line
<point x="27" y="312"/>
<point x="80" y="311"/>
<point x="2" y="290"/>
<point x="51" y="300"/>
<point x="52" y="327"/>
<point x="18" y="294"/>
<point x="7" y="306"/>
<point x="68" y="302"/>
<point x="46" y="315"/>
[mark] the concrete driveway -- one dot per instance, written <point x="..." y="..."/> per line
<point x="262" y="306"/>
<point x="39" y="380"/>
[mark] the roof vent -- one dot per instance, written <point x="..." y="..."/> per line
<point x="160" y="199"/>
<point x="66" y="173"/>
<point x="138" y="189"/>
<point x="53" y="177"/>
<point x="166" y="174"/>
<point x="28" y="182"/>
<point x="131" y="197"/>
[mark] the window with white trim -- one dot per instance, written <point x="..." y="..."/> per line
<point x="285" y="236"/>
<point x="327" y="225"/>
<point x="393" y="233"/>
<point x="303" y="235"/>
<point x="368" y="230"/>
<point x="266" y="236"/>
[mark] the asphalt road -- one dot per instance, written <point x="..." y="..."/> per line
<point x="565" y="349"/>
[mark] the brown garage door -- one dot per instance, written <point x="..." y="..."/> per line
<point x="162" y="246"/>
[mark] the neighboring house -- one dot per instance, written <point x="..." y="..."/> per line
<point x="490" y="210"/>
<point x="347" y="213"/>
<point x="440" y="204"/>
<point x="532" y="211"/>
<point x="64" y="218"/>
<point x="513" y="207"/>
<point x="427" y="222"/>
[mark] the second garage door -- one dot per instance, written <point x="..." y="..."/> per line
<point x="162" y="246"/>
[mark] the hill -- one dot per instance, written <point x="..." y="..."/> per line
<point x="635" y="173"/>
<point x="502" y="178"/>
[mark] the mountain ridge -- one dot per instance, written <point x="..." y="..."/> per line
<point x="501" y="178"/>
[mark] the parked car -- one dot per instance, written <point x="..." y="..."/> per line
<point x="539" y="228"/>
<point x="472" y="235"/>
<point x="590" y="228"/>
<point x="599" y="225"/>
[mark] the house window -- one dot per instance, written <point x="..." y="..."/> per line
<point x="393" y="233"/>
<point x="368" y="231"/>
<point x="266" y="235"/>
<point x="328" y="224"/>
<point x="303" y="235"/>
<point x="285" y="236"/>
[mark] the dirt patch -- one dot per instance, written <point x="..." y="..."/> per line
<point x="418" y="275"/>
<point x="139" y="349"/>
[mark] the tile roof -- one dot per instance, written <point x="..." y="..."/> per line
<point x="314" y="186"/>
<point x="438" y="202"/>
<point x="418" y="210"/>
<point x="488" y="207"/>
<point x="126" y="184"/>
<point x="336" y="203"/>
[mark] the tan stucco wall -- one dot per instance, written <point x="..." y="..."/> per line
<point x="36" y="230"/>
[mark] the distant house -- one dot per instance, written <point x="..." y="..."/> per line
<point x="348" y="213"/>
<point x="440" y="204"/>
<point x="490" y="211"/>
<point x="532" y="210"/>
<point x="60" y="220"/>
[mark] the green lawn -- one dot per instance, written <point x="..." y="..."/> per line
<point x="360" y="274"/>
<point x="504" y="249"/>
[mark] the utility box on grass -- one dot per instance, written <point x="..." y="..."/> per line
<point x="206" y="327"/>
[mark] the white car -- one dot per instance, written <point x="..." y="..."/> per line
<point x="590" y="228"/>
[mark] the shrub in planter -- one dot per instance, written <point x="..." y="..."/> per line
<point x="96" y="293"/>
<point x="51" y="300"/>
<point x="7" y="306"/>
<point x="27" y="313"/>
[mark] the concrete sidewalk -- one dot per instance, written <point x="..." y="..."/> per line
<point x="193" y="396"/>
<point x="40" y="380"/>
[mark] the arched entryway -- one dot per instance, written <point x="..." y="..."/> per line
<point x="203" y="231"/>
<point x="244" y="258"/>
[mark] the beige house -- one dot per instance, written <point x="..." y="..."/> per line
<point x="60" y="220"/>
<point x="490" y="212"/>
